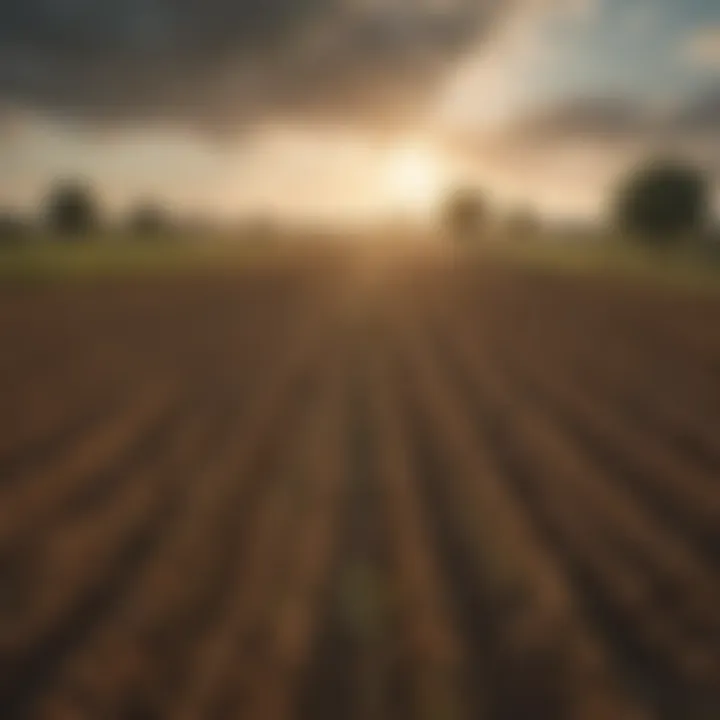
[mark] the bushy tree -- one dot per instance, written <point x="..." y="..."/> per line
<point x="465" y="214"/>
<point x="148" y="220"/>
<point x="72" y="209"/>
<point x="663" y="200"/>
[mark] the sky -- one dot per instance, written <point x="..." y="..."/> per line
<point x="352" y="108"/>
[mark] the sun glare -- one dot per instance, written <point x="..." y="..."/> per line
<point x="414" y="179"/>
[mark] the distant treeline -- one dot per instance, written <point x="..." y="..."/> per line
<point x="71" y="210"/>
<point x="661" y="202"/>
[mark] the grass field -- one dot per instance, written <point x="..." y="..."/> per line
<point x="100" y="258"/>
<point x="693" y="267"/>
<point x="358" y="486"/>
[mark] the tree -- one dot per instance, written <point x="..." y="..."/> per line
<point x="663" y="200"/>
<point x="72" y="209"/>
<point x="464" y="214"/>
<point x="148" y="220"/>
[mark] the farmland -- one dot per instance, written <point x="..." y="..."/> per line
<point x="349" y="485"/>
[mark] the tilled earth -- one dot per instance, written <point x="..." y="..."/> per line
<point x="359" y="488"/>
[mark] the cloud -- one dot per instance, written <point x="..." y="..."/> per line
<point x="702" y="49"/>
<point x="217" y="64"/>
<point x="620" y="118"/>
<point x="583" y="119"/>
<point x="570" y="155"/>
<point x="489" y="85"/>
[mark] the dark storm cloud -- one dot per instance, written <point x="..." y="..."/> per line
<point x="217" y="63"/>
<point x="585" y="144"/>
<point x="702" y="114"/>
<point x="618" y="119"/>
<point x="598" y="118"/>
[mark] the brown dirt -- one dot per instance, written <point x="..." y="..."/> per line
<point x="360" y="487"/>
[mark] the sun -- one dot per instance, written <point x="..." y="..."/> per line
<point x="414" y="178"/>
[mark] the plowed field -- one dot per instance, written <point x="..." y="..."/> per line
<point x="359" y="488"/>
